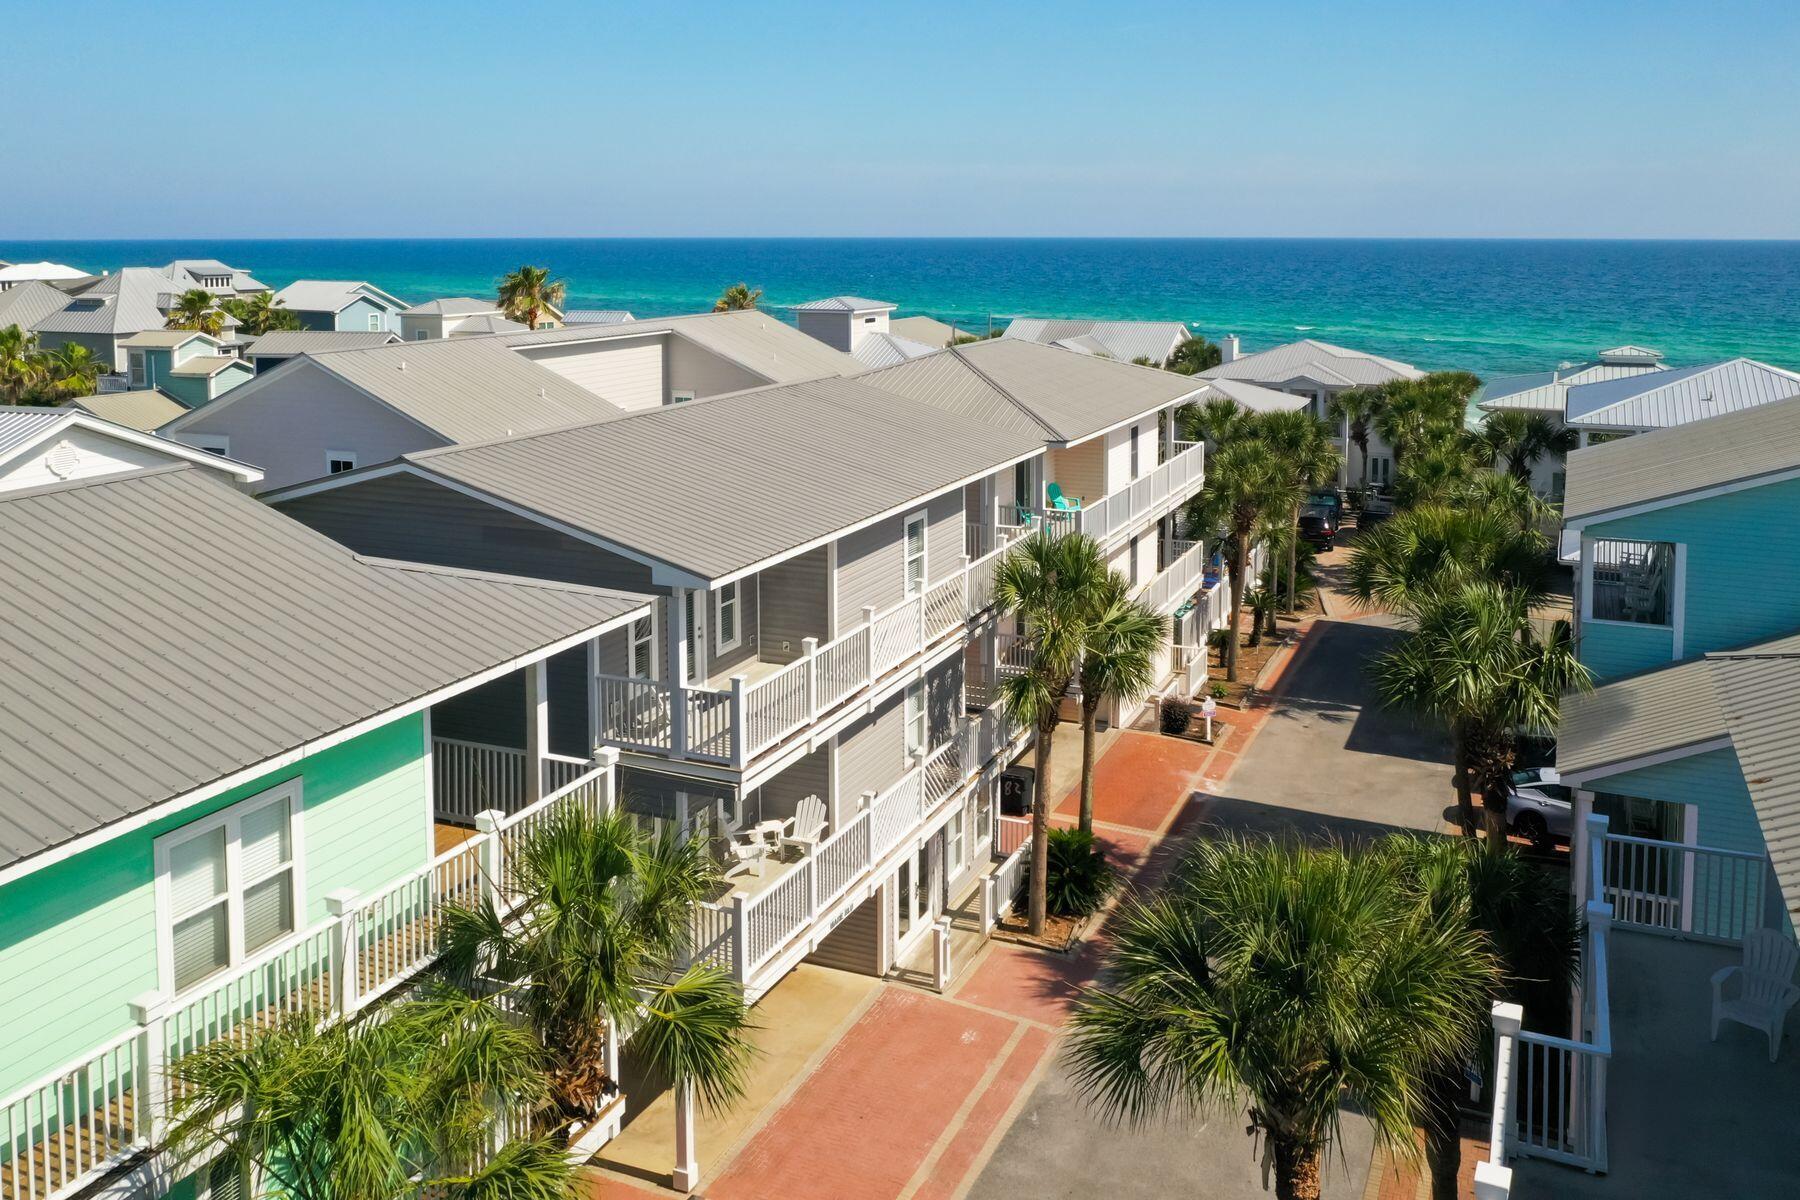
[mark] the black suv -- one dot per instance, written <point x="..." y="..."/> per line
<point x="1319" y="526"/>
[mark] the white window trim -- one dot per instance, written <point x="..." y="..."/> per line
<point x="737" y="615"/>
<point x="375" y="325"/>
<point x="631" y="647"/>
<point x="212" y="443"/>
<point x="348" y="455"/>
<point x="906" y="557"/>
<point x="918" y="728"/>
<point x="420" y="335"/>
<point x="1677" y="622"/>
<point x="137" y="368"/>
<point x="293" y="792"/>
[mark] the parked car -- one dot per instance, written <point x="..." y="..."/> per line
<point x="1319" y="527"/>
<point x="1376" y="507"/>
<point x="1539" y="808"/>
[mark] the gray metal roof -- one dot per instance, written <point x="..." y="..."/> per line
<point x="487" y="323"/>
<point x="452" y="306"/>
<point x="929" y="330"/>
<point x="1323" y="362"/>
<point x="1665" y="464"/>
<point x="189" y="271"/>
<point x="1123" y="340"/>
<point x="1066" y="394"/>
<point x="1659" y="399"/>
<point x="596" y="316"/>
<point x="332" y="295"/>
<point x="26" y="304"/>
<point x="22" y="425"/>
<point x="757" y="341"/>
<point x="166" y="631"/>
<point x="1547" y="391"/>
<point x="1630" y="354"/>
<point x="844" y="304"/>
<point x="886" y="349"/>
<point x="1762" y="700"/>
<point x="715" y="486"/>
<point x="205" y="366"/>
<point x="1644" y="714"/>
<point x="126" y="301"/>
<point x="144" y="409"/>
<point x="166" y="339"/>
<point x="285" y="343"/>
<point x="1250" y="397"/>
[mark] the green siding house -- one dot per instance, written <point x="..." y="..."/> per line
<point x="208" y="819"/>
<point x="1688" y="615"/>
<point x="188" y="367"/>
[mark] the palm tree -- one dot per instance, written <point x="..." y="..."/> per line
<point x="1525" y="913"/>
<point x="262" y="313"/>
<point x="527" y="292"/>
<point x="1439" y="471"/>
<point x="197" y="309"/>
<point x="1193" y="355"/>
<point x="1288" y="979"/>
<point x="372" y="1110"/>
<point x="1052" y="586"/>
<point x="1218" y="421"/>
<point x="1302" y="443"/>
<point x="1416" y="412"/>
<point x="1422" y="551"/>
<point x="1516" y="440"/>
<point x="20" y="364"/>
<point x="1245" y="481"/>
<point x="737" y="298"/>
<point x="70" y="370"/>
<point x="1357" y="409"/>
<point x="1475" y="662"/>
<point x="603" y="955"/>
<point x="1118" y="661"/>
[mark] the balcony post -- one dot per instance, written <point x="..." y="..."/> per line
<point x="869" y="646"/>
<point x="149" y="1012"/>
<point x="738" y="719"/>
<point x="686" y="1176"/>
<point x="919" y="611"/>
<point x="940" y="957"/>
<point x="676" y="626"/>
<point x="809" y="649"/>
<point x="1507" y="1019"/>
<point x="740" y="938"/>
<point x="487" y="824"/>
<point x="1492" y="1182"/>
<point x="537" y="727"/>
<point x="866" y="803"/>
<point x="607" y="759"/>
<point x="341" y="904"/>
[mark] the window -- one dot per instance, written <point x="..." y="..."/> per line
<point x="374" y="322"/>
<point x="138" y="372"/>
<point x="1134" y="452"/>
<point x="1022" y="493"/>
<point x="1631" y="582"/>
<point x="420" y="335"/>
<point x="956" y="843"/>
<point x="641" y="647"/>
<point x="1381" y="471"/>
<point x="915" y="554"/>
<point x="984" y="813"/>
<point x="212" y="443"/>
<point x="680" y="397"/>
<point x="915" y="718"/>
<point x="227" y="885"/>
<point x="725" y="617"/>
<point x="339" y="461"/>
<point x="694" y="636"/>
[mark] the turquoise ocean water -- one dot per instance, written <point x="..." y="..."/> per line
<point x="1492" y="307"/>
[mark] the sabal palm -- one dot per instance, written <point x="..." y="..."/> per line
<point x="1245" y="481"/>
<point x="1475" y="662"/>
<point x="1302" y="443"/>
<point x="737" y="298"/>
<point x="1423" y="551"/>
<point x="603" y="952"/>
<point x="262" y="313"/>
<point x="1416" y="412"/>
<point x="1217" y="422"/>
<point x="373" y="1109"/>
<point x="197" y="309"/>
<point x="1118" y="662"/>
<point x="1516" y="440"/>
<point x="20" y="364"/>
<point x="527" y="292"/>
<point x="71" y="370"/>
<point x="1052" y="586"/>
<point x="1443" y="470"/>
<point x="1292" y="980"/>
<point x="1193" y="355"/>
<point x="1357" y="409"/>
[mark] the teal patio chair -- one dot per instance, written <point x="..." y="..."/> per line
<point x="1060" y="502"/>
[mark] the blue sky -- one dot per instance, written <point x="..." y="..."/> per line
<point x="1433" y="119"/>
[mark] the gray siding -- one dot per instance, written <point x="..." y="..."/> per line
<point x="780" y="797"/>
<point x="628" y="373"/>
<point x="495" y="712"/>
<point x="693" y="369"/>
<point x="723" y="662"/>
<point x="872" y="752"/>
<point x="284" y="421"/>
<point x="872" y="561"/>
<point x="401" y="516"/>
<point x="855" y="945"/>
<point x="793" y="605"/>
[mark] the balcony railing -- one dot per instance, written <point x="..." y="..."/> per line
<point x="734" y="726"/>
<point x="1168" y="588"/>
<point x="745" y="934"/>
<point x="88" y="1117"/>
<point x="1142" y="500"/>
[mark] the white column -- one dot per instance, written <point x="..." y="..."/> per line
<point x="687" y="1163"/>
<point x="341" y="904"/>
<point x="1578" y="846"/>
<point x="537" y="727"/>
<point x="941" y="954"/>
<point x="148" y="1012"/>
<point x="676" y="627"/>
<point x="1492" y="1182"/>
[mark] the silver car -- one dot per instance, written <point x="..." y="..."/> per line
<point x="1539" y="808"/>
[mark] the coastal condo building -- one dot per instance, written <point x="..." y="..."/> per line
<point x="261" y="743"/>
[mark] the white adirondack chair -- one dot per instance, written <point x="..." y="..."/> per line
<point x="807" y="826"/>
<point x="746" y="856"/>
<point x="1766" y="987"/>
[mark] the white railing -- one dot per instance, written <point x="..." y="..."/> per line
<point x="472" y="777"/>
<point x="1000" y="891"/>
<point x="72" y="1124"/>
<point x="1140" y="501"/>
<point x="1010" y="833"/>
<point x="744" y="934"/>
<point x="1686" y="891"/>
<point x="736" y="725"/>
<point x="1165" y="592"/>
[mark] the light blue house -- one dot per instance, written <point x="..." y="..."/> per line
<point x="1688" y="615"/>
<point x="192" y="369"/>
<point x="343" y="305"/>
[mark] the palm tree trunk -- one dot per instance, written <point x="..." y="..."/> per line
<point x="1494" y="794"/>
<point x="1237" y="606"/>
<point x="1090" y="714"/>
<point x="1443" y="1135"/>
<point x="1293" y="565"/>
<point x="1296" y="1171"/>
<point x="1465" y="800"/>
<point x="1037" y="905"/>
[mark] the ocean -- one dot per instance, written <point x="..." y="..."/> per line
<point x="1492" y="307"/>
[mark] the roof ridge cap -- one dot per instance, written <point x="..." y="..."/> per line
<point x="956" y="352"/>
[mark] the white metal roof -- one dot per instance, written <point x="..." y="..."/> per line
<point x="1320" y="362"/>
<point x="1654" y="400"/>
<point x="126" y="301"/>
<point x="285" y="343"/>
<point x="332" y="295"/>
<point x="43" y="271"/>
<point x="1126" y="341"/>
<point x="452" y="306"/>
<point x="596" y="316"/>
<point x="1547" y="391"/>
<point x="846" y="304"/>
<point x="886" y="349"/>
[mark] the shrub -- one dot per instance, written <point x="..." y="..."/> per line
<point x="1079" y="878"/>
<point x="1219" y="691"/>
<point x="1217" y="640"/>
<point x="1176" y="715"/>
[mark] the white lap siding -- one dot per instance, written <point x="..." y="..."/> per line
<point x="628" y="373"/>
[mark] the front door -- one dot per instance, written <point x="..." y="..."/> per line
<point x="694" y="609"/>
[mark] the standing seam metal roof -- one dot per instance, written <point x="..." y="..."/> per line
<point x="167" y="631"/>
<point x="1317" y="360"/>
<point x="1123" y="340"/>
<point x="757" y="341"/>
<point x="1659" y="399"/>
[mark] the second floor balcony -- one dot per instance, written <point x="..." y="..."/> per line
<point x="1116" y="515"/>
